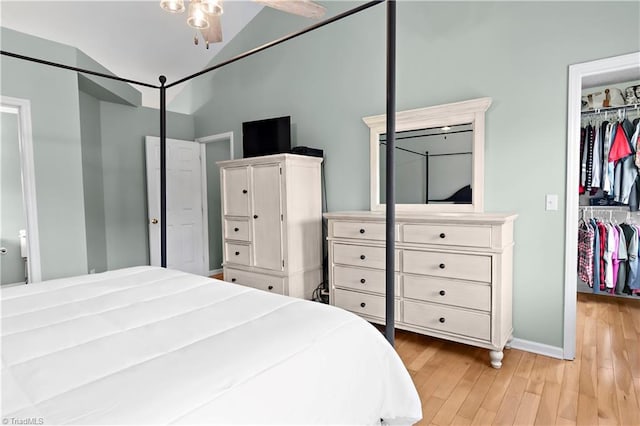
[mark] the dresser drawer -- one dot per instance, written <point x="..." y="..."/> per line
<point x="448" y="319"/>
<point x="362" y="279"/>
<point x="363" y="304"/>
<point x="469" y="236"/>
<point x="237" y="253"/>
<point x="236" y="229"/>
<point x="360" y="230"/>
<point x="258" y="281"/>
<point x="366" y="256"/>
<point x="448" y="292"/>
<point x="451" y="265"/>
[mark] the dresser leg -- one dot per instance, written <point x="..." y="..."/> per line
<point x="496" y="358"/>
<point x="508" y="344"/>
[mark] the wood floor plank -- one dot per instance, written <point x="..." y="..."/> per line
<point x="538" y="375"/>
<point x="425" y="355"/>
<point x="483" y="417"/>
<point x="506" y="414"/>
<point x="549" y="401"/>
<point x="555" y="370"/>
<point x="588" y="372"/>
<point x="499" y="386"/>
<point x="561" y="421"/>
<point x="587" y="410"/>
<point x="430" y="408"/>
<point x="478" y="392"/>
<point x="526" y="414"/>
<point x="526" y="365"/>
<point x="607" y="401"/>
<point x="449" y="409"/>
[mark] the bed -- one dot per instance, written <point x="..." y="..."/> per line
<point x="152" y="345"/>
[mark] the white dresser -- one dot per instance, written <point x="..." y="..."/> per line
<point x="272" y="223"/>
<point x="453" y="273"/>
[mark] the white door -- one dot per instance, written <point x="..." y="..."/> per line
<point x="267" y="219"/>
<point x="185" y="219"/>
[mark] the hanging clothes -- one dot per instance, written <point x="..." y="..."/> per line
<point x="585" y="253"/>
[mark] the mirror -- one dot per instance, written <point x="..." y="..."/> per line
<point x="439" y="158"/>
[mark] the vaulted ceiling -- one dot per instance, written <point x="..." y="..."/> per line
<point x="133" y="39"/>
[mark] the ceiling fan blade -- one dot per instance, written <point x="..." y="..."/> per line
<point x="306" y="8"/>
<point x="213" y="34"/>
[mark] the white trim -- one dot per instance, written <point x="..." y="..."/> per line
<point x="22" y="107"/>
<point x="215" y="272"/>
<point x="537" y="348"/>
<point x="576" y="74"/>
<point x="220" y="137"/>
<point x="471" y="111"/>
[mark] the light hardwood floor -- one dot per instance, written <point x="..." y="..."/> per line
<point x="600" y="387"/>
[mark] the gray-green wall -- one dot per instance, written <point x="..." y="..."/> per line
<point x="518" y="53"/>
<point x="11" y="203"/>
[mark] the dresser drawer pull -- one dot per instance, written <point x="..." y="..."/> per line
<point x="442" y="293"/>
<point x="362" y="280"/>
<point x="236" y="229"/>
<point x="362" y="305"/>
<point x="244" y="191"/>
<point x="442" y="266"/>
<point x="363" y="257"/>
<point x="255" y="216"/>
<point x="362" y="230"/>
<point x="270" y="287"/>
<point x="441" y="320"/>
<point x="237" y="253"/>
<point x="233" y="280"/>
<point x="442" y="235"/>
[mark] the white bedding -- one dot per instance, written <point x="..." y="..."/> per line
<point x="149" y="345"/>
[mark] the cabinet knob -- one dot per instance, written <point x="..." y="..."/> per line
<point x="255" y="216"/>
<point x="442" y="266"/>
<point x="362" y="305"/>
<point x="233" y="280"/>
<point x="442" y="235"/>
<point x="270" y="287"/>
<point x="362" y="280"/>
<point x="236" y="229"/>
<point x="154" y="221"/>
<point x="363" y="257"/>
<point x="441" y="319"/>
<point x="442" y="293"/>
<point x="237" y="253"/>
<point x="362" y="231"/>
<point x="244" y="191"/>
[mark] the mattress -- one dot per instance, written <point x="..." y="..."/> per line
<point x="149" y="345"/>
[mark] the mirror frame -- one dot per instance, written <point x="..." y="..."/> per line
<point x="471" y="111"/>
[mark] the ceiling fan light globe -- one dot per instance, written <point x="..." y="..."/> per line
<point x="173" y="6"/>
<point x="212" y="7"/>
<point x="197" y="16"/>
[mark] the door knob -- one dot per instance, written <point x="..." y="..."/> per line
<point x="154" y="221"/>
<point x="3" y="250"/>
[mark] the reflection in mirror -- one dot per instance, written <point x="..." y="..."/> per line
<point x="433" y="165"/>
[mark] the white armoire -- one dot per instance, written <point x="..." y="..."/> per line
<point x="272" y="223"/>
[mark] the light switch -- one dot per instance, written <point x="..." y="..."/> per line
<point x="551" y="202"/>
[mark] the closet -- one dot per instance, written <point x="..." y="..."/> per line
<point x="609" y="190"/>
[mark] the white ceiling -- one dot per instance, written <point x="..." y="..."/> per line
<point x="133" y="39"/>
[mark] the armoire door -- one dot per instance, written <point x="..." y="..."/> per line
<point x="267" y="223"/>
<point x="235" y="185"/>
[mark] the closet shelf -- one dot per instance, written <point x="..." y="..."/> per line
<point x="601" y="110"/>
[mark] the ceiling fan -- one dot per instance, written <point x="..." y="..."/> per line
<point x="204" y="15"/>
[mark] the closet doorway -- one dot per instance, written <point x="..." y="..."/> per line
<point x="589" y="74"/>
<point x="19" y="240"/>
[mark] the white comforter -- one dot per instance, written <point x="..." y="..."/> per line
<point x="149" y="345"/>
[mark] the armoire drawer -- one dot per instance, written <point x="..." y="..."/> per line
<point x="237" y="253"/>
<point x="365" y="256"/>
<point x="448" y="319"/>
<point x="373" y="280"/>
<point x="468" y="236"/>
<point x="235" y="229"/>
<point x="449" y="292"/>
<point x="360" y="230"/>
<point x="363" y="304"/>
<point x="258" y="281"/>
<point x="451" y="265"/>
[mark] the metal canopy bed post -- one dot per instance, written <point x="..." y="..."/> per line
<point x="390" y="117"/>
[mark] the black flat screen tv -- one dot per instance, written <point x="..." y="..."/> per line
<point x="265" y="137"/>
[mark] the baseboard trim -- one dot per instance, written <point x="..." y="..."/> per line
<point x="215" y="272"/>
<point x="537" y="348"/>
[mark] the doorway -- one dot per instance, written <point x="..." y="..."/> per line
<point x="617" y="68"/>
<point x="19" y="238"/>
<point x="214" y="148"/>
